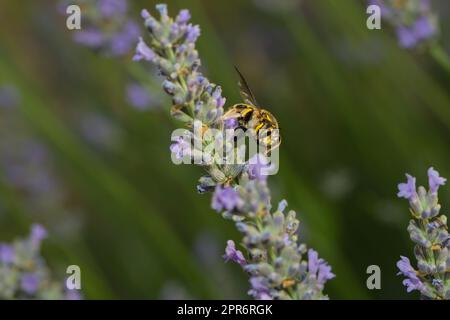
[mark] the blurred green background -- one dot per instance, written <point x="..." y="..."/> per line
<point x="356" y="113"/>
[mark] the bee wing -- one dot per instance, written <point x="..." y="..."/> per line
<point x="232" y="113"/>
<point x="246" y="92"/>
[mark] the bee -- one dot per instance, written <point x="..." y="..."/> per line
<point x="249" y="116"/>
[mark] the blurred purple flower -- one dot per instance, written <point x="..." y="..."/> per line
<point x="423" y="28"/>
<point x="425" y="5"/>
<point x="435" y="180"/>
<point x="73" y="295"/>
<point x="7" y="253"/>
<point x="110" y="8"/>
<point x="106" y="26"/>
<point x="234" y="255"/>
<point x="38" y="233"/>
<point x="25" y="270"/>
<point x="225" y="198"/>
<point x="406" y="37"/>
<point x="9" y="97"/>
<point x="124" y="41"/>
<point x="409" y="37"/>
<point x="30" y="283"/>
<point x="89" y="37"/>
<point x="99" y="130"/>
<point x="413" y="23"/>
<point x="385" y="10"/>
<point x="138" y="96"/>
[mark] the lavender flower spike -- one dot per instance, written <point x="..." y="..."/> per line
<point x="428" y="230"/>
<point x="23" y="272"/>
<point x="106" y="26"/>
<point x="276" y="262"/>
<point x="414" y="21"/>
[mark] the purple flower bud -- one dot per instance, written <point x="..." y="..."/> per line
<point x="181" y="148"/>
<point x="143" y="52"/>
<point x="192" y="33"/>
<point x="318" y="268"/>
<point x="145" y="14"/>
<point x="324" y="274"/>
<point x="226" y="199"/>
<point x="282" y="205"/>
<point x="220" y="102"/>
<point x="434" y="180"/>
<point x="234" y="255"/>
<point x="169" y="87"/>
<point x="183" y="17"/>
<point x="407" y="190"/>
<point x="217" y="92"/>
<point x="412" y="282"/>
<point x="162" y="8"/>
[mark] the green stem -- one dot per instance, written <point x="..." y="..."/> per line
<point x="441" y="57"/>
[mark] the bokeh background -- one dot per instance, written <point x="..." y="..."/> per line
<point x="356" y="113"/>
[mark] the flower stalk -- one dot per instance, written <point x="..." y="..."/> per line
<point x="24" y="274"/>
<point x="428" y="230"/>
<point x="416" y="25"/>
<point x="278" y="265"/>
